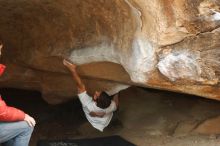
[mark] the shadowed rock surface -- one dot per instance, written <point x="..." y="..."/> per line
<point x="163" y="44"/>
<point x="145" y="117"/>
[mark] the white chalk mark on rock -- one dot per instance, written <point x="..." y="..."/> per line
<point x="141" y="60"/>
<point x="181" y="65"/>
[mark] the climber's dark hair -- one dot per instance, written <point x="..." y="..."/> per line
<point x="104" y="100"/>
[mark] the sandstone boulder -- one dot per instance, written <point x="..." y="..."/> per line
<point x="164" y="44"/>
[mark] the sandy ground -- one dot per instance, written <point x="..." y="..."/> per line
<point x="146" y="118"/>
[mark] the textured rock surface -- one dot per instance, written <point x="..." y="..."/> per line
<point x="165" y="44"/>
<point x="210" y="126"/>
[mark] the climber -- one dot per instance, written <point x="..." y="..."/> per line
<point x="16" y="126"/>
<point x="99" y="108"/>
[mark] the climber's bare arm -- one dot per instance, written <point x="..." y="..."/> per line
<point x="97" y="114"/>
<point x="115" y="99"/>
<point x="72" y="67"/>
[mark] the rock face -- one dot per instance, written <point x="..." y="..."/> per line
<point x="209" y="126"/>
<point x="164" y="44"/>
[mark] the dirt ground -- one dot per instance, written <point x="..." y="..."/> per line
<point x="146" y="117"/>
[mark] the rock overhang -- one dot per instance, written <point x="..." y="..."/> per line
<point x="169" y="45"/>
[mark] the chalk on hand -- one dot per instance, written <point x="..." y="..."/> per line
<point x="68" y="61"/>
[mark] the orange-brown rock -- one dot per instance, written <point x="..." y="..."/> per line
<point x="165" y="44"/>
